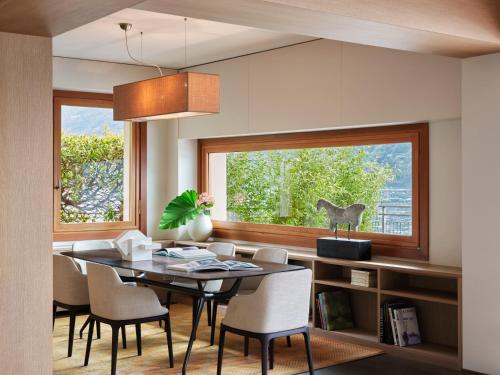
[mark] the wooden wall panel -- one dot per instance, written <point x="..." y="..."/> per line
<point x="25" y="204"/>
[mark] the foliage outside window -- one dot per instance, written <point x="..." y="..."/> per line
<point x="267" y="187"/>
<point x="94" y="167"/>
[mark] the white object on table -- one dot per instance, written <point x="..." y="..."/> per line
<point x="135" y="246"/>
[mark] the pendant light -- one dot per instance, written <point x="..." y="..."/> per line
<point x="182" y="94"/>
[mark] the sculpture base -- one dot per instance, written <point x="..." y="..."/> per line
<point x="343" y="248"/>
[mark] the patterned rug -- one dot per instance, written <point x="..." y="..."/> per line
<point x="154" y="359"/>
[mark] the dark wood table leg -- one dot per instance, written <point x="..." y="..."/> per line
<point x="196" y="321"/>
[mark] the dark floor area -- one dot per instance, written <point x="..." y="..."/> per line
<point x="385" y="364"/>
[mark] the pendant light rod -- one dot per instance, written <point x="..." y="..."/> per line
<point x="126" y="27"/>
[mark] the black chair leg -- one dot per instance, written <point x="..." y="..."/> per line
<point x="264" y="350"/>
<point x="114" y="348"/>
<point x="169" y="341"/>
<point x="138" y="338"/>
<point x="209" y="312"/>
<point x="54" y="310"/>
<point x="289" y="341"/>
<point x="98" y="325"/>
<point x="271" y="354"/>
<point x="89" y="342"/>
<point x="308" y="351"/>
<point x="246" y="345"/>
<point x="84" y="326"/>
<point x="214" y="323"/>
<point x="72" y="318"/>
<point x="124" y="337"/>
<point x="168" y="299"/>
<point x="222" y="336"/>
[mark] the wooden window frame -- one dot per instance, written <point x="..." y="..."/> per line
<point x="138" y="187"/>
<point x="415" y="246"/>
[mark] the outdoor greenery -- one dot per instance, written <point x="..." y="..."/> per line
<point x="283" y="186"/>
<point x="92" y="177"/>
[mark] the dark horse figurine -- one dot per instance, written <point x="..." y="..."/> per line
<point x="351" y="215"/>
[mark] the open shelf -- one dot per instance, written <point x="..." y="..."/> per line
<point x="345" y="283"/>
<point x="423" y="294"/>
<point x="436" y="353"/>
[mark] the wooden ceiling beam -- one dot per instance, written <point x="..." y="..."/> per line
<point x="457" y="28"/>
<point x="54" y="17"/>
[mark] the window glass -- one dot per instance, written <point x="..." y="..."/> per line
<point x="284" y="186"/>
<point x="94" y="166"/>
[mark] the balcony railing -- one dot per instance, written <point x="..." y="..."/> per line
<point x="393" y="219"/>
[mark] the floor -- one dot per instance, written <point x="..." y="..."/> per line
<point x="384" y="365"/>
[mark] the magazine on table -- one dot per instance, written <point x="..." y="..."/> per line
<point x="191" y="252"/>
<point x="214" y="265"/>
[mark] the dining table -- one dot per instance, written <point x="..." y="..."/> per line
<point x="159" y="265"/>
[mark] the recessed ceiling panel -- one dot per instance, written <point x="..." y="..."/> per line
<point x="163" y="40"/>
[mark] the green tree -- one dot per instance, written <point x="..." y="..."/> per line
<point x="92" y="177"/>
<point x="283" y="186"/>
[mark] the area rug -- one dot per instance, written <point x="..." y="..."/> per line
<point x="154" y="359"/>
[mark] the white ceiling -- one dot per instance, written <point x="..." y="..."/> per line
<point x="163" y="40"/>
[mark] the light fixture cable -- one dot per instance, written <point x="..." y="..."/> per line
<point x="126" y="27"/>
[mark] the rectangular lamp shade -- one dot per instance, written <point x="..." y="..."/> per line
<point x="178" y="95"/>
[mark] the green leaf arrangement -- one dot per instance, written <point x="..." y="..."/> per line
<point x="180" y="210"/>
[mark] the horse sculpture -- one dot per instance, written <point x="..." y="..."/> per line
<point x="351" y="215"/>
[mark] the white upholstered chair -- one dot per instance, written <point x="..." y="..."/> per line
<point x="220" y="249"/>
<point x="70" y="292"/>
<point x="126" y="275"/>
<point x="250" y="284"/>
<point x="118" y="304"/>
<point x="279" y="307"/>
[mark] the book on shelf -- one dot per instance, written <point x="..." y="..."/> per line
<point x="398" y="323"/>
<point x="190" y="252"/>
<point x="214" y="265"/>
<point x="407" y="326"/>
<point x="366" y="278"/>
<point x="334" y="308"/>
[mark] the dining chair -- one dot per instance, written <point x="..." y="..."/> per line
<point x="115" y="303"/>
<point x="70" y="292"/>
<point x="250" y="284"/>
<point x="279" y="307"/>
<point x="126" y="275"/>
<point x="219" y="249"/>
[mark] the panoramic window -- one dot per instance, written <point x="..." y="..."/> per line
<point x="264" y="189"/>
<point x="95" y="166"/>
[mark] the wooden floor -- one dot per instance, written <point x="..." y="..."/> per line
<point x="383" y="365"/>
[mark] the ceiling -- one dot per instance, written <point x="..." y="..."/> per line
<point x="163" y="40"/>
<point x="459" y="28"/>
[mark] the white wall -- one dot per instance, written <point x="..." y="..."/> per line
<point x="481" y="205"/>
<point x="26" y="205"/>
<point x="328" y="85"/>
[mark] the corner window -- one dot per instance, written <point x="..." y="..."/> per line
<point x="96" y="165"/>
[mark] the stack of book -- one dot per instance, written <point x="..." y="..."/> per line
<point x="399" y="323"/>
<point x="334" y="310"/>
<point x="364" y="278"/>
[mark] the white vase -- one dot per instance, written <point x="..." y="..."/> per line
<point x="200" y="229"/>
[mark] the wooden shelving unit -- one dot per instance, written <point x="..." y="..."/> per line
<point x="434" y="290"/>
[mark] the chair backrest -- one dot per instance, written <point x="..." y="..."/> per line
<point x="222" y="248"/>
<point x="69" y="286"/>
<point x="271" y="254"/>
<point x="103" y="281"/>
<point x="92" y="245"/>
<point x="280" y="303"/>
<point x="265" y="254"/>
<point x="97" y="245"/>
